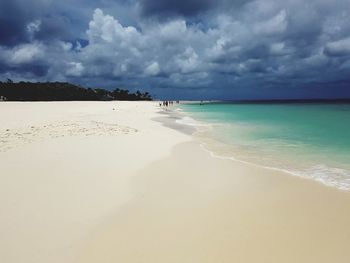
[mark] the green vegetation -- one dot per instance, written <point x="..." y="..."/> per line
<point x="62" y="91"/>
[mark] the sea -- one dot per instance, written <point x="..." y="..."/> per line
<point x="310" y="140"/>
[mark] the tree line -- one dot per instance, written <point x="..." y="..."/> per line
<point x="63" y="91"/>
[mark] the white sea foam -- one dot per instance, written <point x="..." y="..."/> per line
<point x="191" y="122"/>
<point x="329" y="176"/>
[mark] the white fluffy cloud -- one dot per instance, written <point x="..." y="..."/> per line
<point x="33" y="27"/>
<point x="152" y="69"/>
<point x="27" y="53"/>
<point x="339" y="48"/>
<point x="74" y="69"/>
<point x="274" y="25"/>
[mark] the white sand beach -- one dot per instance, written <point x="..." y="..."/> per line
<point x="106" y="182"/>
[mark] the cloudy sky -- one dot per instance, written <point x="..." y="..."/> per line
<point x="219" y="49"/>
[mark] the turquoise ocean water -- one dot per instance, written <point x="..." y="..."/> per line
<point x="308" y="140"/>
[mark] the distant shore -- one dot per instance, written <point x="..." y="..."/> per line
<point x="123" y="182"/>
<point x="272" y="101"/>
<point x="64" y="91"/>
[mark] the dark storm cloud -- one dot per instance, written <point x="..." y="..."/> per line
<point x="189" y="8"/>
<point x="36" y="69"/>
<point x="17" y="15"/>
<point x="13" y="20"/>
<point x="219" y="48"/>
<point x="55" y="20"/>
<point x="54" y="27"/>
<point x="174" y="7"/>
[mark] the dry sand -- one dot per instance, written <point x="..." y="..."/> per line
<point x="104" y="182"/>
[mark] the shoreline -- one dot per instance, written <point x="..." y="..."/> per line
<point x="211" y="210"/>
<point x="208" y="143"/>
<point x="133" y="189"/>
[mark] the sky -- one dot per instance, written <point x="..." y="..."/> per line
<point x="191" y="49"/>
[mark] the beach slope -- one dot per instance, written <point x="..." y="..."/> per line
<point x="107" y="182"/>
